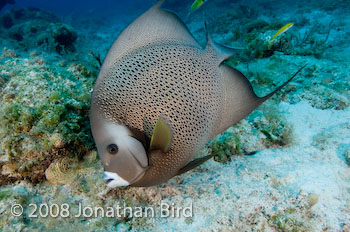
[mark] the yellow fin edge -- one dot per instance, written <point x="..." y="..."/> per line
<point x="161" y="137"/>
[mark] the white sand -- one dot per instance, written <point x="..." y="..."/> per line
<point x="248" y="192"/>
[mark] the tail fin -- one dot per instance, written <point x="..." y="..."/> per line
<point x="262" y="99"/>
<point x="240" y="99"/>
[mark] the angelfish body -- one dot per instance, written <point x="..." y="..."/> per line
<point x="160" y="97"/>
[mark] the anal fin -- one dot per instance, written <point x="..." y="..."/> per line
<point x="193" y="164"/>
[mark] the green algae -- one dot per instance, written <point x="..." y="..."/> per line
<point x="289" y="222"/>
<point x="274" y="127"/>
<point x="295" y="219"/>
<point x="225" y="146"/>
<point x="347" y="156"/>
<point x="5" y="193"/>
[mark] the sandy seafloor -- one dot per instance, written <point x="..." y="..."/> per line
<point x="299" y="183"/>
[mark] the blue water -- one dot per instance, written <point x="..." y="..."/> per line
<point x="66" y="7"/>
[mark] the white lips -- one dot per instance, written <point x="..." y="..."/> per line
<point x="117" y="181"/>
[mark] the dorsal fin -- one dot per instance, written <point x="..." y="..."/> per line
<point x="222" y="51"/>
<point x="155" y="25"/>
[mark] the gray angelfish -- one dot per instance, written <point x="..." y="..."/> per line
<point x="160" y="97"/>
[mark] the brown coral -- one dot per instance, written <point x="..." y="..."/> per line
<point x="62" y="171"/>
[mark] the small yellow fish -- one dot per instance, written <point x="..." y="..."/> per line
<point x="196" y="4"/>
<point x="283" y="29"/>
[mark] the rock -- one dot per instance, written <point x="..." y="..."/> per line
<point x="5" y="2"/>
<point x="31" y="28"/>
<point x="6" y="21"/>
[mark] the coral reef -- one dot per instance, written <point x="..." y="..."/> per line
<point x="5" y="2"/>
<point x="44" y="114"/>
<point x="32" y="28"/>
<point x="62" y="171"/>
<point x="243" y="26"/>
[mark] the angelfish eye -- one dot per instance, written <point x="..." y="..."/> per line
<point x="112" y="149"/>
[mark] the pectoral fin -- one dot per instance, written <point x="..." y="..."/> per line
<point x="193" y="164"/>
<point x="161" y="137"/>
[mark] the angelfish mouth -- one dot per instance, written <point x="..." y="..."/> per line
<point x="114" y="180"/>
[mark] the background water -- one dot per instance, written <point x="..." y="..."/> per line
<point x="81" y="7"/>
